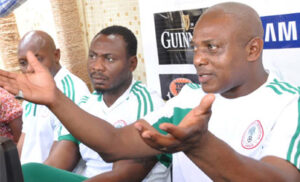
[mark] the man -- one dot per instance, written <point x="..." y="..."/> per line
<point x="111" y="61"/>
<point x="228" y="58"/>
<point x="39" y="124"/>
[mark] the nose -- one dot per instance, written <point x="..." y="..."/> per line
<point x="200" y="59"/>
<point x="29" y="69"/>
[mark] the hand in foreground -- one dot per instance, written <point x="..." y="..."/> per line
<point x="183" y="137"/>
<point x="37" y="86"/>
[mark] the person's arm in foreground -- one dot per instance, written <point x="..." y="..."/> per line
<point x="20" y="144"/>
<point x="64" y="155"/>
<point x="127" y="170"/>
<point x="111" y="143"/>
<point x="213" y="156"/>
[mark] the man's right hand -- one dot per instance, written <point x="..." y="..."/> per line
<point x="37" y="86"/>
<point x="186" y="136"/>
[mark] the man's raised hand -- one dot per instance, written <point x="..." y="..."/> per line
<point x="190" y="131"/>
<point x="37" y="86"/>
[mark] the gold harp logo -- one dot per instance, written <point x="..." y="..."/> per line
<point x="185" y="21"/>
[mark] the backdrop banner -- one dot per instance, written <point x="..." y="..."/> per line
<point x="167" y="30"/>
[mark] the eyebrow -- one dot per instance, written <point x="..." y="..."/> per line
<point x="192" y="43"/>
<point x="91" y="51"/>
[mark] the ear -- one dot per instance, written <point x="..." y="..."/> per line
<point x="57" y="55"/>
<point x="254" y="48"/>
<point x="133" y="63"/>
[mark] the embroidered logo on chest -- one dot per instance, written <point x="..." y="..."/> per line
<point x="253" y="135"/>
<point x="120" y="124"/>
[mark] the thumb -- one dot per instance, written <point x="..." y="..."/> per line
<point x="205" y="104"/>
<point x="32" y="60"/>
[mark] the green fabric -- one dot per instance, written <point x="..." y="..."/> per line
<point x="28" y="109"/>
<point x="178" y="115"/>
<point x="294" y="144"/>
<point x="36" y="172"/>
<point x="70" y="138"/>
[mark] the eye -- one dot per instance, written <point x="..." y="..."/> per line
<point x="92" y="56"/>
<point x="39" y="58"/>
<point x="109" y="58"/>
<point x="22" y="62"/>
<point x="212" y="47"/>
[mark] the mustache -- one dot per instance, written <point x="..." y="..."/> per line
<point x="98" y="75"/>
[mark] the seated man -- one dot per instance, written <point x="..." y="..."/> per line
<point x="117" y="97"/>
<point x="236" y="139"/>
<point x="39" y="124"/>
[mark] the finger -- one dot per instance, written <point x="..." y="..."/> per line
<point x="205" y="104"/>
<point x="11" y="90"/>
<point x="153" y="138"/>
<point x="179" y="133"/>
<point x="144" y="133"/>
<point x="9" y="85"/>
<point x="7" y="75"/>
<point x="142" y="125"/>
<point x="159" y="140"/>
<point x="143" y="130"/>
<point x="32" y="60"/>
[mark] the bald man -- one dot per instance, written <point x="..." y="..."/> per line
<point x="248" y="130"/>
<point x="251" y="132"/>
<point x="40" y="126"/>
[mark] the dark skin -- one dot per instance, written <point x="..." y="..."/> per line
<point x="191" y="135"/>
<point x="123" y="171"/>
<point x="223" y="57"/>
<point x="110" y="70"/>
<point x="43" y="47"/>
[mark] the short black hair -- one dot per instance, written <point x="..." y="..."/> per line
<point x="127" y="35"/>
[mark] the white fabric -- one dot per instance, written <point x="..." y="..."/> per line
<point x="123" y="112"/>
<point x="40" y="125"/>
<point x="260" y="124"/>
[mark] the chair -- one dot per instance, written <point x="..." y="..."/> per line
<point x="10" y="166"/>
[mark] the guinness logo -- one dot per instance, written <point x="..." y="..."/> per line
<point x="185" y="21"/>
<point x="177" y="84"/>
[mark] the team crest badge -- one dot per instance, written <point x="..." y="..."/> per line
<point x="120" y="124"/>
<point x="177" y="84"/>
<point x="253" y="135"/>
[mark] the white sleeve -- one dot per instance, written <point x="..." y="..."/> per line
<point x="25" y="124"/>
<point x="81" y="91"/>
<point x="284" y="140"/>
<point x="56" y="125"/>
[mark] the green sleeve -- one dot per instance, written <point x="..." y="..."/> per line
<point x="178" y="115"/>
<point x="69" y="137"/>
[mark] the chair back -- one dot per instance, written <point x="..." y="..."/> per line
<point x="10" y="166"/>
